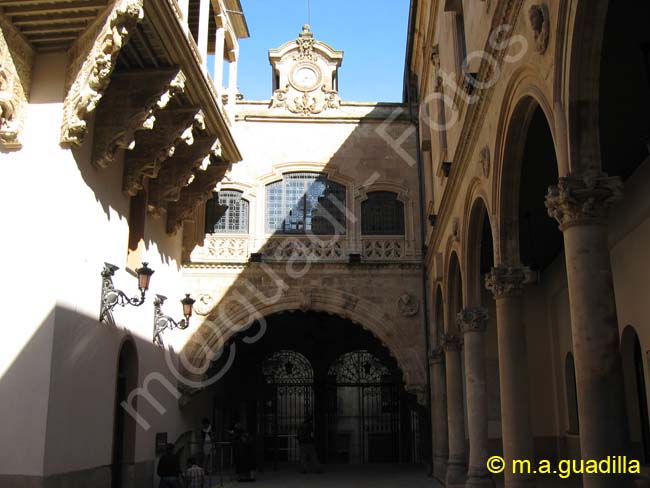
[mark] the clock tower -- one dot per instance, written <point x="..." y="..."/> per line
<point x="305" y="75"/>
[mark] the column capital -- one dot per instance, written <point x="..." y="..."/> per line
<point x="437" y="355"/>
<point x="472" y="319"/>
<point x="507" y="281"/>
<point x="451" y="342"/>
<point x="583" y="199"/>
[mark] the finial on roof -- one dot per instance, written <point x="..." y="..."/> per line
<point x="306" y="31"/>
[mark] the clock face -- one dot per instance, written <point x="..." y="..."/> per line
<point x="305" y="77"/>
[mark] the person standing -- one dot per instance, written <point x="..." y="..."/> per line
<point x="169" y="469"/>
<point x="244" y="454"/>
<point x="206" y="444"/>
<point x="194" y="475"/>
<point x="308" y="456"/>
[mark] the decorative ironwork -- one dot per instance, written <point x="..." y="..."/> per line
<point x="111" y="296"/>
<point x="305" y="203"/>
<point x="163" y="322"/>
<point x="234" y="220"/>
<point x="359" y="367"/>
<point x="288" y="367"/>
<point x="382" y="214"/>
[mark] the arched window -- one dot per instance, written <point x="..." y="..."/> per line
<point x="382" y="214"/>
<point x="235" y="218"/>
<point x="305" y="203"/>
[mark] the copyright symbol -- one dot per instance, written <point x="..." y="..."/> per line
<point x="496" y="464"/>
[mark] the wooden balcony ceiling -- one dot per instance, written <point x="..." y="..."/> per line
<point x="51" y="25"/>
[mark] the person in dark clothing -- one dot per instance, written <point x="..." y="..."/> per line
<point x="244" y="453"/>
<point x="169" y="469"/>
<point x="308" y="456"/>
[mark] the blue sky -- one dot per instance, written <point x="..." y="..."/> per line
<point x="372" y="33"/>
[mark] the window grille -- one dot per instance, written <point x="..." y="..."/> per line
<point x="382" y="214"/>
<point x="305" y="203"/>
<point x="235" y="218"/>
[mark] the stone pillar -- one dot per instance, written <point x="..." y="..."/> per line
<point x="507" y="285"/>
<point x="232" y="84"/>
<point x="457" y="463"/>
<point x="472" y="323"/>
<point x="580" y="205"/>
<point x="219" y="45"/>
<point x="204" y="21"/>
<point x="439" y="413"/>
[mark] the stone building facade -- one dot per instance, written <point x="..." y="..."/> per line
<point x="533" y="141"/>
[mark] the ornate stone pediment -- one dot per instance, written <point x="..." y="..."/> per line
<point x="95" y="67"/>
<point x="306" y="75"/>
<point x="16" y="58"/>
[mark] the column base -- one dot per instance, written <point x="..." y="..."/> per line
<point x="519" y="483"/>
<point x="456" y="475"/>
<point x="440" y="468"/>
<point x="480" y="481"/>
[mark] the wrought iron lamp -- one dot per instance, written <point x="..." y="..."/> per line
<point x="112" y="296"/>
<point x="162" y="322"/>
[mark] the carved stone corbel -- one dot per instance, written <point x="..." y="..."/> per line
<point x="155" y="146"/>
<point x="94" y="75"/>
<point x="129" y="104"/>
<point x="16" y="57"/>
<point x="195" y="194"/>
<point x="177" y="170"/>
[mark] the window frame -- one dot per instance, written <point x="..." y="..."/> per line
<point x="399" y="209"/>
<point x="244" y="218"/>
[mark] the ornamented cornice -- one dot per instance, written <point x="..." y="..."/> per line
<point x="93" y="77"/>
<point x="437" y="355"/>
<point x="451" y="342"/>
<point x="16" y="57"/>
<point x="129" y="105"/>
<point x="579" y="200"/>
<point x="472" y="320"/>
<point x="506" y="282"/>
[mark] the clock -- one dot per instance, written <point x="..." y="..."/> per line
<point x="305" y="77"/>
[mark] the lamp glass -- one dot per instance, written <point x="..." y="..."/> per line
<point x="144" y="276"/>
<point x="188" y="303"/>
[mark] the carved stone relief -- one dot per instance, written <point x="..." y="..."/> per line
<point x="96" y="67"/>
<point x="408" y="305"/>
<point x="539" y="22"/>
<point x="484" y="161"/>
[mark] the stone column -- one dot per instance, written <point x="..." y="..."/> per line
<point x="457" y="463"/>
<point x="472" y="323"/>
<point x="439" y="413"/>
<point x="580" y="205"/>
<point x="232" y="84"/>
<point x="507" y="286"/>
<point x="204" y="21"/>
<point x="219" y="45"/>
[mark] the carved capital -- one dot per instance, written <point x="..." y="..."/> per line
<point x="129" y="105"/>
<point x="579" y="200"/>
<point x="94" y="75"/>
<point x="451" y="342"/>
<point x="16" y="57"/>
<point x="472" y="320"/>
<point x="506" y="282"/>
<point x="437" y="355"/>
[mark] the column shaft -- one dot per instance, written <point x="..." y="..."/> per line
<point x="439" y="414"/>
<point x="204" y="20"/>
<point x="457" y="463"/>
<point x="219" y="46"/>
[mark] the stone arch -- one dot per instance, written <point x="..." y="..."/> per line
<point x="476" y="209"/>
<point x="518" y="111"/>
<point x="454" y="287"/>
<point x="242" y="312"/>
<point x="584" y="43"/>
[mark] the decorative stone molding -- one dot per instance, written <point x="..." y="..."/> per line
<point x="204" y="304"/>
<point x="437" y="355"/>
<point x="219" y="248"/>
<point x="540" y="23"/>
<point x="455" y="229"/>
<point x="98" y="64"/>
<point x="472" y="320"/>
<point x="298" y="248"/>
<point x="129" y="105"/>
<point x="484" y="161"/>
<point x="16" y="58"/>
<point x="378" y="249"/>
<point x="451" y="342"/>
<point x="579" y="200"/>
<point x="507" y="282"/>
<point x="408" y="305"/>
<point x="312" y="103"/>
<point x="305" y="44"/>
<point x="155" y="146"/>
